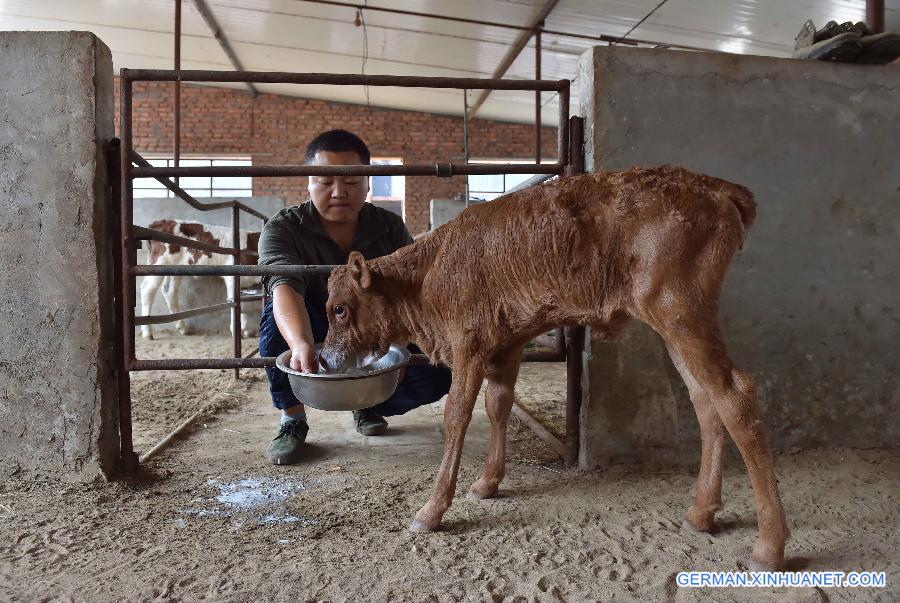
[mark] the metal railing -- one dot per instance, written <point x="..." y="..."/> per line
<point x="139" y="233"/>
<point x="129" y="236"/>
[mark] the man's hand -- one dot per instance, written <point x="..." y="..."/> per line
<point x="303" y="359"/>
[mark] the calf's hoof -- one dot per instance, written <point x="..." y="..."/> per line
<point x="420" y="526"/>
<point x="481" y="490"/>
<point x="147" y="336"/>
<point x="704" y="525"/>
<point x="767" y="558"/>
<point x="427" y="519"/>
<point x="764" y="566"/>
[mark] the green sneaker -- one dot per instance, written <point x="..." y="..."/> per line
<point x="879" y="48"/>
<point x="369" y="423"/>
<point x="287" y="447"/>
<point x="833" y="42"/>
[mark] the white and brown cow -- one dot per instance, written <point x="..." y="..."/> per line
<point x="172" y="254"/>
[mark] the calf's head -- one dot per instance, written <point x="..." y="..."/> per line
<point x="359" y="325"/>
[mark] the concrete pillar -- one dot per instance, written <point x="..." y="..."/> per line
<point x="810" y="305"/>
<point x="58" y="397"/>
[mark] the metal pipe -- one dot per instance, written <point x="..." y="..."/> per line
<point x="534" y="180"/>
<point x="252" y="352"/>
<point x="515" y="50"/>
<point x="539" y="430"/>
<point x="176" y="135"/>
<point x="242" y="270"/>
<point x="219" y="35"/>
<point x="187" y="198"/>
<point x="875" y="15"/>
<point x="576" y="152"/>
<point x="444" y="170"/>
<point x="340" y="79"/>
<point x="563" y="134"/>
<point x="156" y="319"/>
<point x="466" y="137"/>
<point x="265" y="294"/>
<point x="539" y="356"/>
<point x="599" y="37"/>
<point x="126" y="299"/>
<point x="574" y="347"/>
<point x="236" y="284"/>
<point x="127" y="459"/>
<point x="537" y="93"/>
<point x="575" y="336"/>
<point x="148" y="234"/>
<point x="184" y="364"/>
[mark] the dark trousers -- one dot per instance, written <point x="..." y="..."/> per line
<point x="422" y="384"/>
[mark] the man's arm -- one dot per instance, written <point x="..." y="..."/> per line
<point x="276" y="247"/>
<point x="292" y="319"/>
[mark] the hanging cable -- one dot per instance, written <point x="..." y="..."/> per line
<point x="636" y="25"/>
<point x="361" y="20"/>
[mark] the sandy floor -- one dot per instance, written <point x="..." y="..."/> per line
<point x="211" y="519"/>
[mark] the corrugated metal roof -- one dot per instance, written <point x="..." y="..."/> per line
<point x="298" y="35"/>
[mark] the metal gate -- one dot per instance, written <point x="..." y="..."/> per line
<point x="126" y="165"/>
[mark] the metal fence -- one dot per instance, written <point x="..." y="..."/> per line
<point x="125" y="165"/>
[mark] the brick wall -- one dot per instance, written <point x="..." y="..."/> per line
<point x="275" y="129"/>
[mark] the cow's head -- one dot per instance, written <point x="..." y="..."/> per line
<point x="359" y="327"/>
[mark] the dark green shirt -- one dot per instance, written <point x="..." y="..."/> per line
<point x="296" y="236"/>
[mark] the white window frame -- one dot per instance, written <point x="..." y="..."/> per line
<point x="509" y="180"/>
<point x="150" y="187"/>
<point x="398" y="183"/>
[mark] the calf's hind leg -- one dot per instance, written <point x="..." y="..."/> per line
<point x="708" y="489"/>
<point x="499" y="398"/>
<point x="732" y="396"/>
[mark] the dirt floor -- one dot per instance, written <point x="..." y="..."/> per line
<point x="211" y="519"/>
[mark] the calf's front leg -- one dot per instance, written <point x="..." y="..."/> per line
<point x="499" y="398"/>
<point x="467" y="378"/>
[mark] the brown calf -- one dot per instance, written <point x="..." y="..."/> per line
<point x="594" y="249"/>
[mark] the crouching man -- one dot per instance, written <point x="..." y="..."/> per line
<point x="324" y="230"/>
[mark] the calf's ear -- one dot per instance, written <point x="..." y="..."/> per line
<point x="358" y="269"/>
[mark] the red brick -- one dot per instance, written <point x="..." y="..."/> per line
<point x="274" y="129"/>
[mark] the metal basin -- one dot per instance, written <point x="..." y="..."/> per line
<point x="367" y="386"/>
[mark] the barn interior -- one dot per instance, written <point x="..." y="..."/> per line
<point x="134" y="468"/>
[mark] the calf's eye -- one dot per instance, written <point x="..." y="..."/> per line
<point x="339" y="311"/>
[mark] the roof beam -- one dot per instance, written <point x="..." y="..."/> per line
<point x="514" y="51"/>
<point x="219" y="35"/>
<point x="567" y="34"/>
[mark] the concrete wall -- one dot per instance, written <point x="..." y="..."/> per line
<point x="58" y="401"/>
<point x="444" y="210"/>
<point x="810" y="305"/>
<point x="201" y="291"/>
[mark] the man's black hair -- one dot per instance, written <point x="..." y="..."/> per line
<point x="338" y="141"/>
